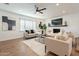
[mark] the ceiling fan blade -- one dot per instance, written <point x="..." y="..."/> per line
<point x="37" y="9"/>
<point x="35" y="6"/>
<point x="41" y="12"/>
<point x="42" y="9"/>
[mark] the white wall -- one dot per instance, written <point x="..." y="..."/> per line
<point x="7" y="35"/>
<point x="72" y="21"/>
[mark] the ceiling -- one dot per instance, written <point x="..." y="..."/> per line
<point x="52" y="9"/>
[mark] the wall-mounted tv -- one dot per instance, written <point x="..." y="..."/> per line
<point x="57" y="21"/>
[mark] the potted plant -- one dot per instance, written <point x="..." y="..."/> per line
<point x="43" y="27"/>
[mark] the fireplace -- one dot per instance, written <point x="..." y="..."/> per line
<point x="56" y="30"/>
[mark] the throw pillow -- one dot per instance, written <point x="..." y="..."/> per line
<point x="27" y="31"/>
<point x="32" y="31"/>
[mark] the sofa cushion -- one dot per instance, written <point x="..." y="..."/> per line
<point x="62" y="38"/>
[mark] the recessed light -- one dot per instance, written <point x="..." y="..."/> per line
<point x="57" y="4"/>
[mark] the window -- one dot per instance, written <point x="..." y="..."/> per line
<point x="27" y="25"/>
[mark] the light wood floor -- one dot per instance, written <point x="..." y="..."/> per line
<point x="16" y="48"/>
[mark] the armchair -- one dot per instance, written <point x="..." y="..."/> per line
<point x="59" y="47"/>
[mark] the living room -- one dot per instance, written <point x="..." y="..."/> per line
<point x="19" y="28"/>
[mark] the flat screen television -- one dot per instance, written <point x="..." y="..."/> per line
<point x="57" y="21"/>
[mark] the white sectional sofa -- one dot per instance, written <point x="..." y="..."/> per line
<point x="59" y="47"/>
<point x="31" y="35"/>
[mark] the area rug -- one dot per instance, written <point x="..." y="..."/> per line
<point x="36" y="46"/>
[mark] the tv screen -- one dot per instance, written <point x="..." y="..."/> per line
<point x="57" y="21"/>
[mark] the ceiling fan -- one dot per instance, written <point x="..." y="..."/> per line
<point x="39" y="10"/>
